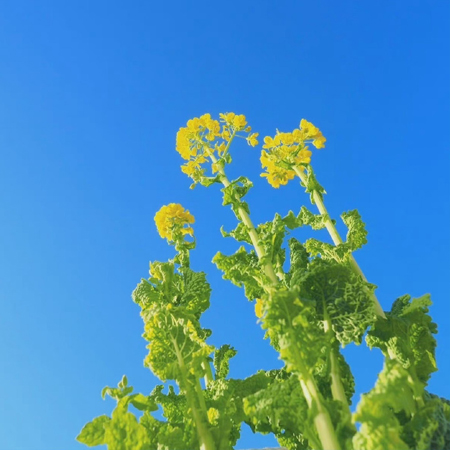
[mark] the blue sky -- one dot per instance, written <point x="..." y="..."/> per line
<point x="91" y="97"/>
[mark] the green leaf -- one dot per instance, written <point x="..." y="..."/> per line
<point x="124" y="432"/>
<point x="242" y="269"/>
<point x="315" y="221"/>
<point x="234" y="192"/>
<point x="357" y="233"/>
<point x="222" y="357"/>
<point x="143" y="402"/>
<point x="281" y="409"/>
<point x="394" y="392"/>
<point x="407" y="335"/>
<point x="146" y="294"/>
<point x="312" y="185"/>
<point x="430" y="426"/>
<point x="123" y="383"/>
<point x="340" y="294"/>
<point x="271" y="236"/>
<point x="93" y="433"/>
<point x="292" y="326"/>
<point x="122" y="390"/>
<point x="240" y="233"/>
<point x="299" y="260"/>
<point x="195" y="291"/>
<point x="208" y="181"/>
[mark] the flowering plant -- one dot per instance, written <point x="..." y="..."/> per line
<point x="310" y="306"/>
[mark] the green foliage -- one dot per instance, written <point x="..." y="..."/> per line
<point x="281" y="409"/>
<point x="407" y="335"/>
<point x="430" y="426"/>
<point x="120" y="432"/>
<point x="355" y="239"/>
<point x="312" y="185"/>
<point x="222" y="357"/>
<point x="393" y="393"/>
<point x="309" y="308"/>
<point x="234" y="192"/>
<point x="93" y="433"/>
<point x="292" y="326"/>
<point x="340" y="295"/>
<point x="357" y="233"/>
<point x="242" y="269"/>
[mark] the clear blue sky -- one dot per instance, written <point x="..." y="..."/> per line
<point x="92" y="94"/>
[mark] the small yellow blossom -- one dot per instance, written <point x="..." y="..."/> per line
<point x="183" y="144"/>
<point x="171" y="220"/>
<point x="155" y="271"/>
<point x="213" y="416"/>
<point x="268" y="142"/>
<point x="319" y="141"/>
<point x="220" y="148"/>
<point x="259" y="308"/>
<point x="227" y="117"/>
<point x="226" y="134"/>
<point x="239" y="122"/>
<point x="194" y="125"/>
<point x="303" y="156"/>
<point x="251" y="139"/>
<point x="312" y="132"/>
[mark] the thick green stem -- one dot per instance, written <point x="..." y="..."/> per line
<point x="314" y="399"/>
<point x="337" y="388"/>
<point x="208" y="372"/>
<point x="337" y="238"/>
<point x="204" y="434"/>
<point x="322" y="420"/>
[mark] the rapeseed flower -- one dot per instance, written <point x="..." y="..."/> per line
<point x="252" y="139"/>
<point x="312" y="132"/>
<point x="259" y="308"/>
<point x="285" y="151"/>
<point x="172" y="222"/>
<point x="204" y="138"/>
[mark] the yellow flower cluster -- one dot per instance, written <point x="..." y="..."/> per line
<point x="286" y="150"/>
<point x="259" y="308"/>
<point x="204" y="137"/>
<point x="171" y="221"/>
<point x="190" y="138"/>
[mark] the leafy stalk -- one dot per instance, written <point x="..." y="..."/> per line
<point x="321" y="417"/>
<point x="335" y="236"/>
<point x="245" y="218"/>
<point x="337" y="388"/>
<point x="205" y="437"/>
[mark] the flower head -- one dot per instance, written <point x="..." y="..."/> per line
<point x="285" y="151"/>
<point x="204" y="139"/>
<point x="172" y="222"/>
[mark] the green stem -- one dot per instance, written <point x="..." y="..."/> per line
<point x="337" y="388"/>
<point x="208" y="372"/>
<point x="337" y="238"/>
<point x="245" y="218"/>
<point x="204" y="434"/>
<point x="314" y="399"/>
<point x="322" y="420"/>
